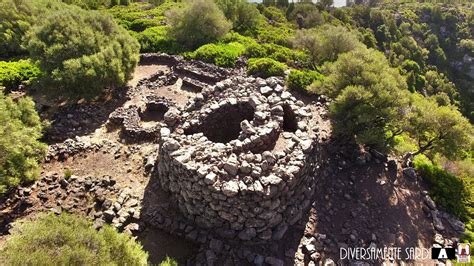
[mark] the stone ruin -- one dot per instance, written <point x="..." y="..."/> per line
<point x="143" y="123"/>
<point x="241" y="159"/>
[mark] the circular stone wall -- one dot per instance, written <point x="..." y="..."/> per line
<point x="243" y="162"/>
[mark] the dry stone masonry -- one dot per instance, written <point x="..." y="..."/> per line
<point x="241" y="159"/>
<point x="157" y="111"/>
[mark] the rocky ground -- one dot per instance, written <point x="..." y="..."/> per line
<point x="362" y="198"/>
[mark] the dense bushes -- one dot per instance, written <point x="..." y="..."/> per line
<point x="82" y="52"/>
<point x="198" y="23"/>
<point x="265" y="67"/>
<point x="16" y="19"/>
<point x="12" y="74"/>
<point x="301" y="79"/>
<point x="157" y="39"/>
<point x="221" y="54"/>
<point x="454" y="193"/>
<point x="369" y="96"/>
<point x="69" y="240"/>
<point x="446" y="189"/>
<point x="19" y="145"/>
<point x="326" y="42"/>
<point x="244" y="16"/>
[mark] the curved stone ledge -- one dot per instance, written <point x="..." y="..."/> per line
<point x="241" y="161"/>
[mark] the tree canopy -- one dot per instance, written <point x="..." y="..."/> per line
<point x="198" y="23"/>
<point x="325" y="43"/>
<point x="82" y="52"/>
<point x="439" y="129"/>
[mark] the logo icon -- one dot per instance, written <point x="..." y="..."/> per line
<point x="443" y="253"/>
<point x="463" y="252"/>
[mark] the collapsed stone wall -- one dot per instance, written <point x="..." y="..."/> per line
<point x="156" y="109"/>
<point x="242" y="159"/>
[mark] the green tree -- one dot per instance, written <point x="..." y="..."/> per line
<point x="438" y="84"/>
<point x="360" y="67"/>
<point x="439" y="129"/>
<point x="306" y="15"/>
<point x="82" y="52"/>
<point x="16" y="19"/>
<point x="20" y="149"/>
<point x="326" y="4"/>
<point x="243" y="15"/>
<point x="326" y="42"/>
<point x="370" y="97"/>
<point x="69" y="240"/>
<point x="198" y="23"/>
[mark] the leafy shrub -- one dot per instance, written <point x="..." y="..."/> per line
<point x="198" y="23"/>
<point x="256" y="51"/>
<point x="12" y="74"/>
<point x="272" y="34"/>
<point x="326" y="42"/>
<point x="236" y="37"/>
<point x="265" y="67"/>
<point x="468" y="45"/>
<point x="446" y="190"/>
<point x="243" y="15"/>
<point x="169" y="262"/>
<point x="90" y="4"/>
<point x="157" y="39"/>
<point x="274" y="14"/>
<point x="16" y="19"/>
<point x="369" y="96"/>
<point x="300" y="79"/>
<point x="306" y="15"/>
<point x="69" y="240"/>
<point x="140" y="16"/>
<point x="279" y="53"/>
<point x="142" y="24"/>
<point x="19" y="145"/>
<point x="225" y="55"/>
<point x="82" y="51"/>
<point x="296" y="58"/>
<point x="67" y="173"/>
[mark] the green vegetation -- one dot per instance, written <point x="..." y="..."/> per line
<point x="225" y="55"/>
<point x="300" y="80"/>
<point x="16" y="19"/>
<point x="326" y="42"/>
<point x="439" y="129"/>
<point x="21" y="128"/>
<point x="169" y="262"/>
<point x="369" y="96"/>
<point x="198" y="23"/>
<point x="69" y="240"/>
<point x="82" y="52"/>
<point x="244" y="16"/>
<point x="15" y="73"/>
<point x="265" y="67"/>
<point x="454" y="193"/>
<point x="67" y="173"/>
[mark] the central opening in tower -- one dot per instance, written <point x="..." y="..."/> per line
<point x="223" y="124"/>
<point x="154" y="112"/>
